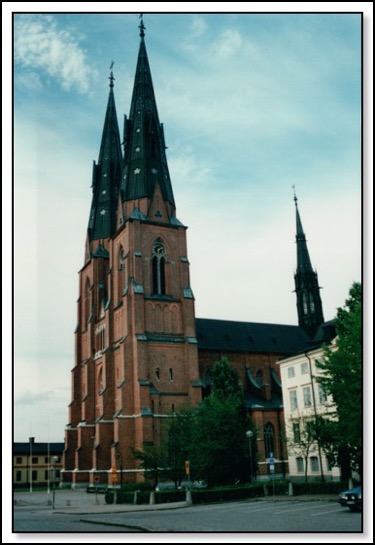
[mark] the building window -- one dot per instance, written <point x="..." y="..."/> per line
<point x="293" y="399"/>
<point x="158" y="268"/>
<point x="307" y="396"/>
<point x="34" y="460"/>
<point x="304" y="301"/>
<point x="259" y="378"/>
<point x="314" y="464"/>
<point x="269" y="444"/>
<point x="304" y="368"/>
<point x="291" y="372"/>
<point x="100" y="381"/>
<point x="300" y="465"/>
<point x="87" y="300"/>
<point x="34" y="475"/>
<point x="121" y="272"/>
<point x="18" y="476"/>
<point x="322" y="394"/>
<point x="157" y="373"/>
<point x="171" y="374"/>
<point x="310" y="427"/>
<point x="46" y="475"/>
<point x="296" y="432"/>
<point x="18" y="460"/>
<point x="46" y="459"/>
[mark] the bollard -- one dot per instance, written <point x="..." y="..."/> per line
<point x="189" y="499"/>
<point x="265" y="490"/>
<point x="135" y="498"/>
<point x="68" y="503"/>
<point x="290" y="491"/>
<point x="152" y="498"/>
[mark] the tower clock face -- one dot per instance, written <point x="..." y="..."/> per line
<point x="158" y="250"/>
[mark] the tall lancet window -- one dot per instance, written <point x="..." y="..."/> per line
<point x="121" y="273"/>
<point x="158" y="268"/>
<point x="87" y="300"/>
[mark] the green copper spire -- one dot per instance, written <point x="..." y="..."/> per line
<point x="309" y="303"/>
<point x="106" y="177"/>
<point x="145" y="159"/>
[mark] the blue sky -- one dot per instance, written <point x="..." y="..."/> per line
<point x="252" y="104"/>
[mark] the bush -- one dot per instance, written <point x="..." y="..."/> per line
<point x="109" y="497"/>
<point x="331" y="487"/>
<point x="227" y="494"/>
<point x="167" y="496"/>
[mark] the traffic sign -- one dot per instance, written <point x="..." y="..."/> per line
<point x="272" y="468"/>
<point x="271" y="460"/>
<point x="187" y="467"/>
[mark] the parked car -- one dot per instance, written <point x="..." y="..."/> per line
<point x="352" y="498"/>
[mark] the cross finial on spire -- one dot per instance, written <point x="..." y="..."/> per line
<point x="111" y="76"/>
<point x="295" y="196"/>
<point x="141" y="26"/>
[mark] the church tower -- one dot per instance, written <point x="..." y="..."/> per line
<point x="136" y="358"/>
<point x="309" y="303"/>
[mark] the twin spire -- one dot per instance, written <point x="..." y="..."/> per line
<point x="143" y="171"/>
<point x="143" y="167"/>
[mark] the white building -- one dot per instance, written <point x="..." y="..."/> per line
<point x="304" y="399"/>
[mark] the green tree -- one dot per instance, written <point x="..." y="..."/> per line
<point x="342" y="379"/>
<point x="219" y="450"/>
<point x="153" y="459"/>
<point x="302" y="438"/>
<point x="177" y="438"/>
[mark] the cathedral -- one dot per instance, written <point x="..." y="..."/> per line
<point x="140" y="352"/>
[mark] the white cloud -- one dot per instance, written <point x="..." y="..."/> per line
<point x="39" y="44"/>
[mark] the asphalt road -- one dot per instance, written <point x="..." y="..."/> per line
<point x="254" y="516"/>
<point x="262" y="516"/>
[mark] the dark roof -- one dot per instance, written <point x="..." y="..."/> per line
<point x="252" y="401"/>
<point x="324" y="335"/>
<point x="225" y="335"/>
<point x="38" y="448"/>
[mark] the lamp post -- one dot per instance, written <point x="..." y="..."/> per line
<point x="119" y="457"/>
<point x="249" y="435"/>
<point x="55" y="458"/>
<point x="31" y="441"/>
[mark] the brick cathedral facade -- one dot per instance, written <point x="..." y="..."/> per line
<point x="140" y="352"/>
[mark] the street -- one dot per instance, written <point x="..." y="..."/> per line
<point x="258" y="516"/>
<point x="263" y="515"/>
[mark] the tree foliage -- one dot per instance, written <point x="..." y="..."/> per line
<point x="211" y="436"/>
<point x="219" y="450"/>
<point x="342" y="379"/>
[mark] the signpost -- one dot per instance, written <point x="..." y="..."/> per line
<point x="96" y="479"/>
<point x="271" y="462"/>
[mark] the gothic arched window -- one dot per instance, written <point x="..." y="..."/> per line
<point x="158" y="268"/>
<point x="259" y="378"/>
<point x="269" y="443"/>
<point x="100" y="381"/>
<point x="121" y="272"/>
<point x="87" y="300"/>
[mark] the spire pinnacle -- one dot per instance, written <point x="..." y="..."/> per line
<point x="141" y="26"/>
<point x="111" y="76"/>
<point x="295" y="196"/>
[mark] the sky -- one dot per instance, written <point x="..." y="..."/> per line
<point x="252" y="105"/>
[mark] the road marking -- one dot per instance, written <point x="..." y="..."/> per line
<point x="295" y="508"/>
<point x="324" y="512"/>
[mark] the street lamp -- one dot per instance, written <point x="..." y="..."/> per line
<point x="119" y="457"/>
<point x="249" y="435"/>
<point x="55" y="459"/>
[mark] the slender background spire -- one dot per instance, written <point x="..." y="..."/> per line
<point x="309" y="303"/>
